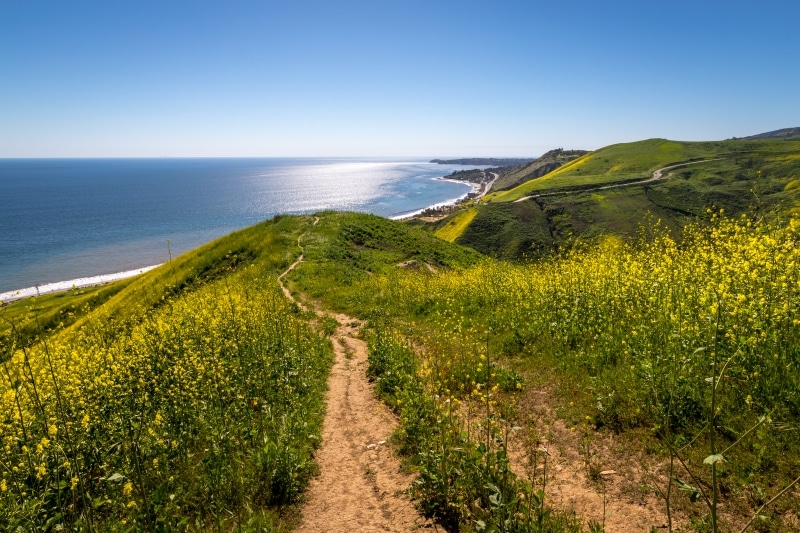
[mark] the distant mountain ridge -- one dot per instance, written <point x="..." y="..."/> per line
<point x="785" y="133"/>
<point x="486" y="161"/>
<point x="544" y="164"/>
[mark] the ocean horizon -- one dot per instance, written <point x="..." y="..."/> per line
<point x="69" y="219"/>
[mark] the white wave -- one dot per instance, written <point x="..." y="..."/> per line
<point x="408" y="214"/>
<point x="61" y="286"/>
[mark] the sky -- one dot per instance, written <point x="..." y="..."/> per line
<point x="388" y="78"/>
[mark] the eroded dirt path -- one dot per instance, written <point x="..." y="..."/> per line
<point x="361" y="484"/>
<point x="286" y="291"/>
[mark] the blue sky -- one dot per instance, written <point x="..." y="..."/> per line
<point x="380" y="78"/>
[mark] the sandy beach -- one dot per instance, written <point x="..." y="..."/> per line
<point x="61" y="286"/>
<point x="475" y="188"/>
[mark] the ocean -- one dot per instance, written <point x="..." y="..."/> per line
<point x="62" y="219"/>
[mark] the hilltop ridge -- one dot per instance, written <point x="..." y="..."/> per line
<point x="485" y="161"/>
<point x="543" y="165"/>
<point x="790" y="134"/>
<point x="612" y="190"/>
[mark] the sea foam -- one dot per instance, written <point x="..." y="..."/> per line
<point x="61" y="286"/>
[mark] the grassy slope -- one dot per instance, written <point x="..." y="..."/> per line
<point x="613" y="163"/>
<point x="133" y="325"/>
<point x="344" y="249"/>
<point x="750" y="175"/>
<point x="25" y="319"/>
<point x="543" y="165"/>
<point x="508" y="230"/>
<point x="456" y="225"/>
<point x="269" y="245"/>
<point x="345" y="253"/>
<point x="595" y="326"/>
<point x="349" y="243"/>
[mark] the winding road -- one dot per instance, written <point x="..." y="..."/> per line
<point x="488" y="187"/>
<point x="657" y="175"/>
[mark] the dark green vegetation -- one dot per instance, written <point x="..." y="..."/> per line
<point x="345" y="249"/>
<point x="508" y="229"/>
<point x="473" y="175"/>
<point x="568" y="203"/>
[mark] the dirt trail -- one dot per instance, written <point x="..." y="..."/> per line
<point x="361" y="484"/>
<point x="287" y="292"/>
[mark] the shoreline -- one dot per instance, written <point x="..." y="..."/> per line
<point x="78" y="283"/>
<point x="400" y="186"/>
<point x="408" y="214"/>
<point x="89" y="281"/>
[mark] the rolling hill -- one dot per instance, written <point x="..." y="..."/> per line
<point x="541" y="166"/>
<point x="192" y="398"/>
<point x="612" y="191"/>
<point x="788" y="134"/>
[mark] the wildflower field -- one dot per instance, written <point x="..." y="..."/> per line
<point x="199" y="412"/>
<point x="192" y="398"/>
<point x="693" y="342"/>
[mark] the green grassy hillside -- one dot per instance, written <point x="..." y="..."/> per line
<point x="344" y="249"/>
<point x="190" y="398"/>
<point x="692" y="350"/>
<point x="456" y="225"/>
<point x="186" y="398"/>
<point x="267" y="246"/>
<point x="25" y="320"/>
<point x="618" y="163"/>
<point x="580" y="200"/>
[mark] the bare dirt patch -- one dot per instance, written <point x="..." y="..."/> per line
<point x="595" y="474"/>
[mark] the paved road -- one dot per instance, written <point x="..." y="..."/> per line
<point x="488" y="187"/>
<point x="657" y="175"/>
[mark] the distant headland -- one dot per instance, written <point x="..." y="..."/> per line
<point x="486" y="161"/>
